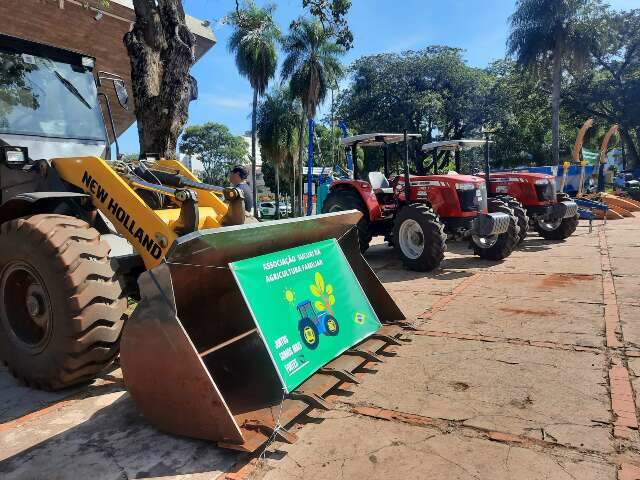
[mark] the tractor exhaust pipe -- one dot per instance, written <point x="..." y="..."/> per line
<point x="407" y="184"/>
<point x="487" y="167"/>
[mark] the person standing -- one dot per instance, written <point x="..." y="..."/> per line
<point x="238" y="178"/>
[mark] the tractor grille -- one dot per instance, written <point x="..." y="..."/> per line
<point x="546" y="192"/>
<point x="473" y="200"/>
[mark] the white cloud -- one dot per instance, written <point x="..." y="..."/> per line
<point x="234" y="103"/>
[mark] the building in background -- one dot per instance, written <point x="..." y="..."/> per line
<point x="91" y="27"/>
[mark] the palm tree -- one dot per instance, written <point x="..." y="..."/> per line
<point x="253" y="42"/>
<point x="544" y="31"/>
<point x="312" y="65"/>
<point x="277" y="121"/>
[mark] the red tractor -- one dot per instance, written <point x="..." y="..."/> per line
<point x="553" y="215"/>
<point x="418" y="224"/>
<point x="531" y="196"/>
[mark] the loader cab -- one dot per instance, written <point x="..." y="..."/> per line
<point x="49" y="102"/>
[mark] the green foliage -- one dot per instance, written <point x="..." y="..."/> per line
<point x="14" y="89"/>
<point x="542" y="28"/>
<point x="130" y="157"/>
<point x="277" y="126"/>
<point x="278" y="117"/>
<point x="253" y="42"/>
<point x="549" y="36"/>
<point x="610" y="90"/>
<point x="269" y="177"/>
<point x="331" y="14"/>
<point x="216" y="148"/>
<point x="421" y="91"/>
<point x="312" y="63"/>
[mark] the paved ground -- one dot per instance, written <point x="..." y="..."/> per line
<point x="523" y="369"/>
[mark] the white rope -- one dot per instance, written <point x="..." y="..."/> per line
<point x="276" y="429"/>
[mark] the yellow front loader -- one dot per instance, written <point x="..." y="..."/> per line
<point x="82" y="238"/>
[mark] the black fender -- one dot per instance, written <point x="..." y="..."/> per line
<point x="25" y="204"/>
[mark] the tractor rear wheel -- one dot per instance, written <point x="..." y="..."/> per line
<point x="61" y="308"/>
<point x="503" y="245"/>
<point x="522" y="218"/>
<point x="419" y="238"/>
<point x="343" y="199"/>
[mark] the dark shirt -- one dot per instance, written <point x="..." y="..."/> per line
<point x="248" y="195"/>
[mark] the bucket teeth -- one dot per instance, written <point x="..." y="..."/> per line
<point x="340" y="374"/>
<point x="386" y="338"/>
<point x="366" y="354"/>
<point x="279" y="433"/>
<point x="311" y="399"/>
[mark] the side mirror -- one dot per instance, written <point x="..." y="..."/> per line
<point x="121" y="93"/>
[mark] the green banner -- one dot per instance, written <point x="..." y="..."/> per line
<point x="590" y="156"/>
<point x="308" y="306"/>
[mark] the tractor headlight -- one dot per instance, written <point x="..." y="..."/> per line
<point x="542" y="181"/>
<point x="465" y="186"/>
<point x="13" y="156"/>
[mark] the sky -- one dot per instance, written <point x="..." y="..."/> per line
<point x="480" y="27"/>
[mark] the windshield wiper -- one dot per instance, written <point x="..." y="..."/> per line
<point x="71" y="87"/>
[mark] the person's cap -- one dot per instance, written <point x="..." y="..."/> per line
<point x="241" y="171"/>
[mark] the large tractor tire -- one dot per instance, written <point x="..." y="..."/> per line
<point x="522" y="218"/>
<point x="419" y="238"/>
<point x="61" y="307"/>
<point x="559" y="230"/>
<point x="343" y="199"/>
<point x="503" y="245"/>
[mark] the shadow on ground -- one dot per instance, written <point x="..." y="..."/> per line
<point x="116" y="442"/>
<point x="20" y="400"/>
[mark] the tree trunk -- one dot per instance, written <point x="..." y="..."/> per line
<point x="277" y="171"/>
<point x="253" y="151"/>
<point x="161" y="52"/>
<point x="631" y="149"/>
<point x="555" y="103"/>
<point x="292" y="185"/>
<point x="299" y="179"/>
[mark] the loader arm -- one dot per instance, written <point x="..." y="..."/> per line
<point x="151" y="232"/>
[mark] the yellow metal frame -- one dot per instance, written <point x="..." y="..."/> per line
<point x="151" y="232"/>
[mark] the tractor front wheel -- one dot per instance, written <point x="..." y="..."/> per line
<point x="419" y="238"/>
<point x="558" y="230"/>
<point x="61" y="307"/>
<point x="343" y="199"/>
<point x="498" y="247"/>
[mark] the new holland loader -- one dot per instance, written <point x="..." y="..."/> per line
<point x="81" y="234"/>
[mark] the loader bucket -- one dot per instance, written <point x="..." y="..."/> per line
<point x="192" y="358"/>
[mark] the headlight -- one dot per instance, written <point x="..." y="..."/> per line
<point x="465" y="186"/>
<point x="542" y="181"/>
<point x="13" y="156"/>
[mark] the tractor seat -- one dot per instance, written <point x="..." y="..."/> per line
<point x="379" y="182"/>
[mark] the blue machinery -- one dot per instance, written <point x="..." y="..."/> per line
<point x="347" y="152"/>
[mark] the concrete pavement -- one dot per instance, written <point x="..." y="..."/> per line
<point x="522" y="369"/>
